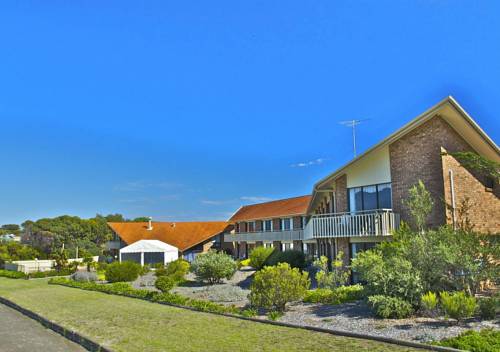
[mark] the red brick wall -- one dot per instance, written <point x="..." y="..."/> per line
<point x="341" y="194"/>
<point x="276" y="224"/>
<point x="418" y="156"/>
<point x="469" y="186"/>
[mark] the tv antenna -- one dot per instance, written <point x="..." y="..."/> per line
<point x="353" y="124"/>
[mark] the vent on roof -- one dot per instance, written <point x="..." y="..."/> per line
<point x="150" y="225"/>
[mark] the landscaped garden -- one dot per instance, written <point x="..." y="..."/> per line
<point x="128" y="324"/>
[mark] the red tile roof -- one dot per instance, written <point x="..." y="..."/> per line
<point x="273" y="209"/>
<point x="182" y="235"/>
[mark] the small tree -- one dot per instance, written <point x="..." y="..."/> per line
<point x="338" y="276"/>
<point x="259" y="256"/>
<point x="213" y="267"/>
<point x="122" y="272"/>
<point x="274" y="286"/>
<point x="420" y="204"/>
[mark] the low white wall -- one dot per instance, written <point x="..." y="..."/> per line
<point x="31" y="266"/>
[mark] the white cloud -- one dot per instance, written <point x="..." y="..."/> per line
<point x="309" y="163"/>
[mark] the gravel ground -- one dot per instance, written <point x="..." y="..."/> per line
<point x="357" y="317"/>
<point x="230" y="292"/>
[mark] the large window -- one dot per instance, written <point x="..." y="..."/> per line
<point x="268" y="225"/>
<point x="370" y="197"/>
<point x="286" y="224"/>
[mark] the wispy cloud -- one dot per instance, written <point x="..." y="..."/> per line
<point x="255" y="199"/>
<point x="139" y="185"/>
<point x="213" y="202"/>
<point x="309" y="163"/>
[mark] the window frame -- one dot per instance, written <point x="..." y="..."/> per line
<point x="363" y="198"/>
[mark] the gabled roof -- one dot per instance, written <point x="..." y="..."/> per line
<point x="451" y="111"/>
<point x="182" y="235"/>
<point x="274" y="209"/>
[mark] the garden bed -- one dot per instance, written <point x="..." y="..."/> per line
<point x="357" y="317"/>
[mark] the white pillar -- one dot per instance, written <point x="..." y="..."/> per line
<point x="142" y="258"/>
<point x="120" y="255"/>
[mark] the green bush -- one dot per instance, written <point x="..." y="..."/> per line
<point x="274" y="286"/>
<point x="122" y="272"/>
<point x="429" y="302"/>
<point x="12" y="274"/>
<point x="176" y="270"/>
<point x="213" y="267"/>
<point x="388" y="276"/>
<point x="274" y="315"/>
<point x="249" y="313"/>
<point x="242" y="263"/>
<point x="326" y="278"/>
<point x="458" y="305"/>
<point x="258" y="257"/>
<point x="487" y="340"/>
<point x="334" y="296"/>
<point x="50" y="273"/>
<point x="165" y="283"/>
<point x="390" y="307"/>
<point x="488" y="307"/>
<point x="296" y="259"/>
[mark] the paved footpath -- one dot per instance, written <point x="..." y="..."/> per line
<point x="18" y="333"/>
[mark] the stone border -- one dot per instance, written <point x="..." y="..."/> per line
<point x="74" y="336"/>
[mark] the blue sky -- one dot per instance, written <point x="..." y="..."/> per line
<point x="186" y="110"/>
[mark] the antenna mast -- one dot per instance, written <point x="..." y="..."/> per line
<point x="353" y="124"/>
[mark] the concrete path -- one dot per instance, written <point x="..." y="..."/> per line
<point x="18" y="333"/>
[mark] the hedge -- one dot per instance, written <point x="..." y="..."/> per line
<point x="12" y="274"/>
<point x="124" y="289"/>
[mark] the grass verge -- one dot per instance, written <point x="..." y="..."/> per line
<point x="127" y="324"/>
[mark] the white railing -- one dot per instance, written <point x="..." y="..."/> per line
<point x="380" y="222"/>
<point x="285" y="235"/>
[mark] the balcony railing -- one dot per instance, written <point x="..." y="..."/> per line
<point x="284" y="235"/>
<point x="380" y="222"/>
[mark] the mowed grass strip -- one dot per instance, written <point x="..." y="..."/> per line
<point x="128" y="324"/>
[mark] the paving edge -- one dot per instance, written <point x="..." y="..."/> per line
<point x="74" y="336"/>
<point x="334" y="332"/>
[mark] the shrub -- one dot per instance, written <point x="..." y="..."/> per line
<point x="429" y="302"/>
<point x="122" y="272"/>
<point x="165" y="283"/>
<point x="12" y="274"/>
<point x="389" y="276"/>
<point x="243" y="263"/>
<point x="296" y="259"/>
<point x="274" y="315"/>
<point x="274" y="286"/>
<point x="334" y="278"/>
<point x="487" y="340"/>
<point x="177" y="270"/>
<point x="390" y="307"/>
<point x="213" y="267"/>
<point x="249" y="312"/>
<point x="84" y="276"/>
<point x="338" y="295"/>
<point x="488" y="307"/>
<point x="458" y="305"/>
<point x="258" y="256"/>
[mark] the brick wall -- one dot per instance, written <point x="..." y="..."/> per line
<point x="416" y="156"/>
<point x="469" y="186"/>
<point x="341" y="194"/>
<point x="258" y="225"/>
<point x="297" y="224"/>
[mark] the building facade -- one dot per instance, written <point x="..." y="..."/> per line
<point x="362" y="203"/>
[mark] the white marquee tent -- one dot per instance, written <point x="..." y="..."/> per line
<point x="149" y="252"/>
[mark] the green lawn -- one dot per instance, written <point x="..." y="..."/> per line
<point x="128" y="324"/>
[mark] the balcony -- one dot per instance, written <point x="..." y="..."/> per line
<point x="285" y="235"/>
<point x="380" y="222"/>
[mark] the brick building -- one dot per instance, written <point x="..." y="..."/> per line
<point x="361" y="203"/>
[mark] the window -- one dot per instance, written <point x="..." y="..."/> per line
<point x="251" y="226"/>
<point x="286" y="224"/>
<point x="268" y="225"/>
<point x="370" y="197"/>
